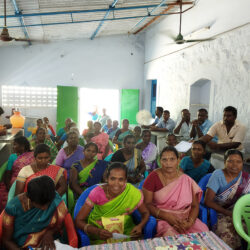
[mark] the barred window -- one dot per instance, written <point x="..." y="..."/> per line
<point x="19" y="96"/>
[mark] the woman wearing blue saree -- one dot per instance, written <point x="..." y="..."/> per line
<point x="85" y="173"/>
<point x="122" y="133"/>
<point x="113" y="201"/>
<point x="34" y="218"/>
<point x="132" y="158"/>
<point x="224" y="188"/>
<point x="195" y="165"/>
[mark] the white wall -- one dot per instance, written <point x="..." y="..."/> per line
<point x="111" y="62"/>
<point x="225" y="61"/>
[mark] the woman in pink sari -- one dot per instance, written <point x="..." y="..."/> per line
<point x="101" y="139"/>
<point x="173" y="198"/>
<point x="23" y="156"/>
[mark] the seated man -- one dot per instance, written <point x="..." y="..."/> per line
<point x="166" y="125"/>
<point x="201" y="125"/>
<point x="230" y="132"/>
<point x="158" y="117"/>
<point x="34" y="218"/>
<point x="184" y="126"/>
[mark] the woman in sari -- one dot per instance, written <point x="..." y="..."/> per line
<point x="34" y="218"/>
<point x="86" y="172"/>
<point x="224" y="188"/>
<point x="101" y="139"/>
<point x="149" y="150"/>
<point x="173" y="197"/>
<point x="23" y="156"/>
<point x="121" y="133"/>
<point x="90" y="128"/>
<point x="73" y="152"/>
<point x="41" y="167"/>
<point x="195" y="165"/>
<point x="131" y="157"/>
<point x="41" y="138"/>
<point x="114" y="201"/>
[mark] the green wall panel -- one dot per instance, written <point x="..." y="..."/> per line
<point x="130" y="104"/>
<point x="67" y="105"/>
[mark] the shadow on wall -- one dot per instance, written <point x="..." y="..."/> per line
<point x="199" y="96"/>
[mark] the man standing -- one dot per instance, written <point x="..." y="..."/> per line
<point x="230" y="132"/>
<point x="104" y="117"/>
<point x="201" y="125"/>
<point x="184" y="125"/>
<point x="166" y="125"/>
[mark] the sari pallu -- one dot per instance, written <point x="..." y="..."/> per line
<point x="88" y="176"/>
<point x="29" y="226"/>
<point x="149" y="155"/>
<point x="176" y="198"/>
<point x="123" y="204"/>
<point x="224" y="227"/>
<point x="53" y="171"/>
<point x="101" y="140"/>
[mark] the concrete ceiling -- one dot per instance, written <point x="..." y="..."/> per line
<point x="53" y="20"/>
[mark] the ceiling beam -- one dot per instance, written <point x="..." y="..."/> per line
<point x="88" y="21"/>
<point x="111" y="7"/>
<point x="21" y="20"/>
<point x="93" y="10"/>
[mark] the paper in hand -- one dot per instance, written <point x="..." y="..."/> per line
<point x="119" y="236"/>
<point x="183" y="146"/>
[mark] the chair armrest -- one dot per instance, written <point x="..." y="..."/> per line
<point x="212" y="217"/>
<point x="71" y="232"/>
<point x="83" y="237"/>
<point x="203" y="214"/>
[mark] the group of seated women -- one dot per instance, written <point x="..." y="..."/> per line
<point x="170" y="193"/>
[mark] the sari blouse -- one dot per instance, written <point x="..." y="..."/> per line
<point x="30" y="226"/>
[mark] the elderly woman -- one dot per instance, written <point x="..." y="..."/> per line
<point x="195" y="165"/>
<point x="132" y="158"/>
<point x="173" y="197"/>
<point x="22" y="156"/>
<point x="149" y="150"/>
<point x="34" y="218"/>
<point x="114" y="200"/>
<point x="224" y="188"/>
<point x="41" y="166"/>
<point x="41" y="138"/>
<point x="101" y="139"/>
<point x="90" y="128"/>
<point x="121" y="133"/>
<point x="73" y="152"/>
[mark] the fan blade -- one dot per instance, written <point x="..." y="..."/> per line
<point x="199" y="40"/>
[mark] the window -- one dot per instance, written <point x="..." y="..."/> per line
<point x="25" y="97"/>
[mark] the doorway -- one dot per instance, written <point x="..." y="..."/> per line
<point x="97" y="99"/>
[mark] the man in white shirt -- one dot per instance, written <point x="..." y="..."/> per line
<point x="184" y="126"/>
<point x="229" y="131"/>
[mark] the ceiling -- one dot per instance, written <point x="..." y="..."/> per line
<point x="51" y="20"/>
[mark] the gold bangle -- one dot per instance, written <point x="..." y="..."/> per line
<point x="85" y="228"/>
<point x="157" y="213"/>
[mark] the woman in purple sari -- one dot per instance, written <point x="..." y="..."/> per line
<point x="70" y="154"/>
<point x="149" y="150"/>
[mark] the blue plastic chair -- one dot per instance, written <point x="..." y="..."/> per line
<point x="206" y="214"/>
<point x="148" y="231"/>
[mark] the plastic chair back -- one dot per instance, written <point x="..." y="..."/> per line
<point x="203" y="185"/>
<point x="2" y="169"/>
<point x="242" y="210"/>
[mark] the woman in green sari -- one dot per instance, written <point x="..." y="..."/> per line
<point x="122" y="133"/>
<point x="85" y="173"/>
<point x="112" y="202"/>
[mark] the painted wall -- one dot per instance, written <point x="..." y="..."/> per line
<point x="225" y="61"/>
<point x="112" y="62"/>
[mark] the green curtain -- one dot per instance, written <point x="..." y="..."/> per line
<point x="67" y="105"/>
<point x="130" y="104"/>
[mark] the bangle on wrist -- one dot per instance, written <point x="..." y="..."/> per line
<point x="157" y="213"/>
<point x="85" y="228"/>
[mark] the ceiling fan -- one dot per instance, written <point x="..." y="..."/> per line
<point x="4" y="36"/>
<point x="180" y="40"/>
